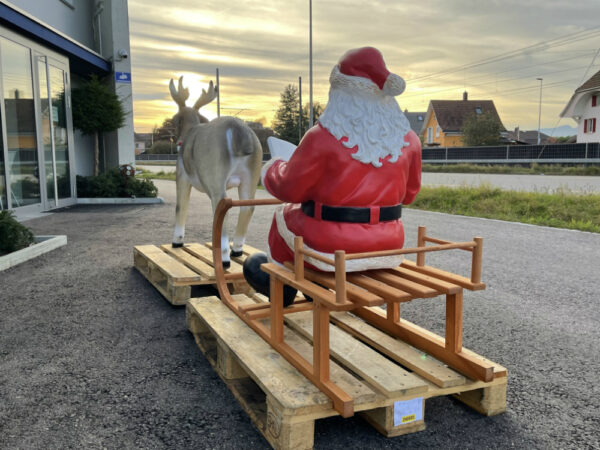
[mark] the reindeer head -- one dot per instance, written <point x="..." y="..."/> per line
<point x="187" y="117"/>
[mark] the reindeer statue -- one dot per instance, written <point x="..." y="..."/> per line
<point x="213" y="157"/>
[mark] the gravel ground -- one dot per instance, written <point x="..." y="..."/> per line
<point x="91" y="356"/>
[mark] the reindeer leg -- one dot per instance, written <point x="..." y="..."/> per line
<point x="246" y="190"/>
<point x="184" y="189"/>
<point x="215" y="199"/>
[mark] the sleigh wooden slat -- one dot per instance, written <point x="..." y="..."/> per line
<point x="443" y="275"/>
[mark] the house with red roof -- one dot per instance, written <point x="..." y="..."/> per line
<point x="445" y="119"/>
<point x="584" y="108"/>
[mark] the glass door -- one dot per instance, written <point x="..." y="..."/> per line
<point x="19" y="128"/>
<point x="46" y="133"/>
<point x="61" y="132"/>
<point x="55" y="132"/>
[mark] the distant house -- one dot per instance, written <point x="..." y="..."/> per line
<point x="584" y="108"/>
<point x="445" y="118"/>
<point x="523" y="137"/>
<point x="143" y="142"/>
<point x="416" y="120"/>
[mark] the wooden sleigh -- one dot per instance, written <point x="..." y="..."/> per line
<point x="362" y="293"/>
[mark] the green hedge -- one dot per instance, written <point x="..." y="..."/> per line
<point x="13" y="235"/>
<point x="113" y="184"/>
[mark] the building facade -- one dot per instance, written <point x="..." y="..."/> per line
<point x="46" y="49"/>
<point x="445" y="119"/>
<point x="584" y="108"/>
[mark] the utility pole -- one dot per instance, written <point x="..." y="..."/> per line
<point x="299" y="109"/>
<point x="541" y="80"/>
<point x="218" y="95"/>
<point x="310" y="64"/>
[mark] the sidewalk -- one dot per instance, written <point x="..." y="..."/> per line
<point x="92" y="356"/>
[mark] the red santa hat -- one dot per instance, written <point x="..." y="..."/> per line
<point x="364" y="69"/>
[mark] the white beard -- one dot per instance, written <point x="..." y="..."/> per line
<point x="370" y="120"/>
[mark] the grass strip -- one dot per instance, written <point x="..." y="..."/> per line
<point x="562" y="209"/>
<point x="148" y="174"/>
<point x="535" y="169"/>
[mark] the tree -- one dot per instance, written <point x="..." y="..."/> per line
<point x="96" y="109"/>
<point x="481" y="129"/>
<point x="317" y="111"/>
<point x="285" y="123"/>
<point x="165" y="132"/>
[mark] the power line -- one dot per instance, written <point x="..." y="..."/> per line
<point x="503" y="80"/>
<point x="519" y="68"/>
<point x="544" y="45"/>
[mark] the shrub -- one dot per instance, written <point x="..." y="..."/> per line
<point x="114" y="184"/>
<point x="162" y="148"/>
<point x="13" y="235"/>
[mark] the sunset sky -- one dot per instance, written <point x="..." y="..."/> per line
<point x="440" y="47"/>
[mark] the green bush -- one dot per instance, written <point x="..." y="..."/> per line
<point x="162" y="148"/>
<point x="113" y="184"/>
<point x="13" y="235"/>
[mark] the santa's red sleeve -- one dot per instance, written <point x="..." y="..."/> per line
<point x="293" y="181"/>
<point x="414" y="174"/>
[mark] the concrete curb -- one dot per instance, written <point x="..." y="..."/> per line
<point x="120" y="201"/>
<point x="44" y="244"/>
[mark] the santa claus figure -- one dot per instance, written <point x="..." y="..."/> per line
<point x="345" y="184"/>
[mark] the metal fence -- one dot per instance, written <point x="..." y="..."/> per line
<point x="584" y="153"/>
<point x="145" y="157"/>
<point x="515" y="154"/>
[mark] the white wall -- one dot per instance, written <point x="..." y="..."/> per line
<point x="75" y="22"/>
<point x="588" y="112"/>
<point x="120" y="146"/>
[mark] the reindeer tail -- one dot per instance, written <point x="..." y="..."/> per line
<point x="244" y="142"/>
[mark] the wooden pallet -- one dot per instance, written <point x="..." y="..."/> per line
<point x="284" y="405"/>
<point x="173" y="271"/>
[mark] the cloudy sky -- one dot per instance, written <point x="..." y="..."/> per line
<point x="494" y="49"/>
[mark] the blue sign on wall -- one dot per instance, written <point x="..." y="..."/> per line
<point x="123" y="77"/>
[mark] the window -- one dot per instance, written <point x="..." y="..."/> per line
<point x="594" y="100"/>
<point x="429" y="135"/>
<point x="478" y="110"/>
<point x="420" y="118"/>
<point x="589" y="125"/>
<point x="437" y="132"/>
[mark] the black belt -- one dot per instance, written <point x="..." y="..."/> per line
<point x="352" y="214"/>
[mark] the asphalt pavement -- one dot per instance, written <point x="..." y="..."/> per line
<point x="91" y="355"/>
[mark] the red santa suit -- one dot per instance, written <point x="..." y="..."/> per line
<point x="324" y="171"/>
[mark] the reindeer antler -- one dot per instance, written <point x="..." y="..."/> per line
<point x="206" y="97"/>
<point x="179" y="95"/>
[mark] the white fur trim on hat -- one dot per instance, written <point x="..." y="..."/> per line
<point x="394" y="84"/>
<point x="265" y="168"/>
<point x="354" y="265"/>
<point x="340" y="80"/>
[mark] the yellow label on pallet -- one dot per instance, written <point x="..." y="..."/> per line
<point x="410" y="418"/>
<point x="408" y="411"/>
